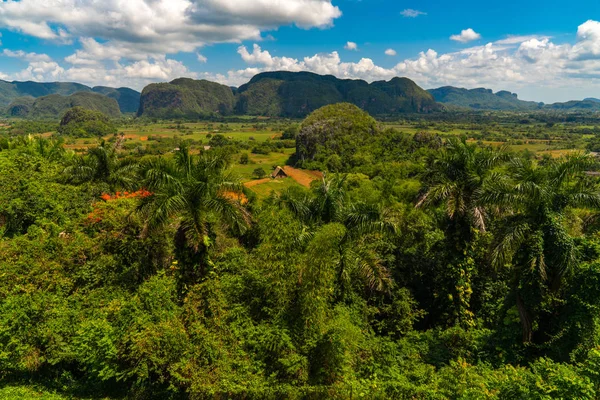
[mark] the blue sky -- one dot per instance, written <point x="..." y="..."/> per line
<point x="543" y="50"/>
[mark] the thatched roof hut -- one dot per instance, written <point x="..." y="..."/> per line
<point x="278" y="173"/>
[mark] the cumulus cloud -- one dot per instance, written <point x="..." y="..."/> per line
<point x="202" y="59"/>
<point x="465" y="36"/>
<point x="410" y="13"/>
<point x="523" y="64"/>
<point x="351" y="46"/>
<point x="390" y="52"/>
<point x="20" y="54"/>
<point x="132" y="28"/>
<point x="512" y="63"/>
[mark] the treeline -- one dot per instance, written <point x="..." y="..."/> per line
<point x="444" y="270"/>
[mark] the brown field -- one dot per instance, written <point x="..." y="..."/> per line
<point x="249" y="184"/>
<point x="304" y="178"/>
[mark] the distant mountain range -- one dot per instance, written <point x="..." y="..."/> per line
<point x="14" y="93"/>
<point x="482" y="99"/>
<point x="282" y="94"/>
<point x="486" y="99"/>
<point x="275" y="94"/>
<point x="54" y="106"/>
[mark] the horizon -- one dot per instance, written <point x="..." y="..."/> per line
<point x="237" y="87"/>
<point x="544" y="54"/>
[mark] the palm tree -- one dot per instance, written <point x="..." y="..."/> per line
<point x="194" y="194"/>
<point x="102" y="164"/>
<point x="532" y="238"/>
<point x="328" y="203"/>
<point x="454" y="179"/>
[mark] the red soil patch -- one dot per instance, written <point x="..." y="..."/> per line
<point x="303" y="177"/>
<point x="256" y="182"/>
<point x="144" y="138"/>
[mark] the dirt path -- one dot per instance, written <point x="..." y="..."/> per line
<point x="256" y="182"/>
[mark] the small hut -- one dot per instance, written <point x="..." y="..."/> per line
<point x="279" y="173"/>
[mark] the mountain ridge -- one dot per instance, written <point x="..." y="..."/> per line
<point x="283" y="94"/>
<point x="55" y="105"/>
<point x="127" y="99"/>
<point x="486" y="100"/>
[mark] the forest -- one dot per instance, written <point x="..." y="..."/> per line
<point x="451" y="256"/>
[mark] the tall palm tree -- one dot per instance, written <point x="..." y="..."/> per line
<point x="454" y="179"/>
<point x="533" y="238"/>
<point x="194" y="193"/>
<point x="103" y="164"/>
<point x="328" y="202"/>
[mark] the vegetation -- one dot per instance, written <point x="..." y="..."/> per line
<point x="297" y="94"/>
<point x="186" y="98"/>
<point x="128" y="99"/>
<point x="482" y="99"/>
<point x="14" y="92"/>
<point x="416" y="258"/>
<point x="81" y="122"/>
<point x="486" y="99"/>
<point x="55" y="105"/>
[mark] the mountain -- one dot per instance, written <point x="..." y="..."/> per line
<point x="575" y="105"/>
<point x="186" y="98"/>
<point x="282" y="94"/>
<point x="55" y="105"/>
<point x="592" y="99"/>
<point x="128" y="99"/>
<point x="482" y="99"/>
<point x="297" y="94"/>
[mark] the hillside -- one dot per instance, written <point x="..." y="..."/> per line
<point x="128" y="99"/>
<point x="575" y="105"/>
<point x="482" y="99"/>
<point x="185" y="98"/>
<point x="297" y="94"/>
<point x="55" y="105"/>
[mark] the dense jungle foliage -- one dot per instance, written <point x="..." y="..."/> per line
<point x="417" y="267"/>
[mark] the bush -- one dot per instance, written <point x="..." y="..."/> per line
<point x="259" y="173"/>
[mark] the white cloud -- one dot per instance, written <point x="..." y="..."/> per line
<point x="351" y="46"/>
<point x="390" y="52"/>
<point x="410" y="13"/>
<point x="588" y="41"/>
<point x="202" y="59"/>
<point x="467" y="35"/>
<point x="138" y="29"/>
<point x="522" y="64"/>
<point x="20" y="54"/>
<point x="526" y="64"/>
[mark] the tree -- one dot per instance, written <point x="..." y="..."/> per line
<point x="328" y="203"/>
<point x="197" y="193"/>
<point x="80" y="122"/>
<point x="533" y="239"/>
<point x="259" y="173"/>
<point x="102" y="164"/>
<point x="244" y="159"/>
<point x="454" y="179"/>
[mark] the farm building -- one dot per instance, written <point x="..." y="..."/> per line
<point x="278" y="173"/>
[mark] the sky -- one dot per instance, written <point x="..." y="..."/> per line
<point x="543" y="50"/>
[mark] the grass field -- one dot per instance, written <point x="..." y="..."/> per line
<point x="536" y="138"/>
<point x="266" y="162"/>
<point x="33" y="393"/>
